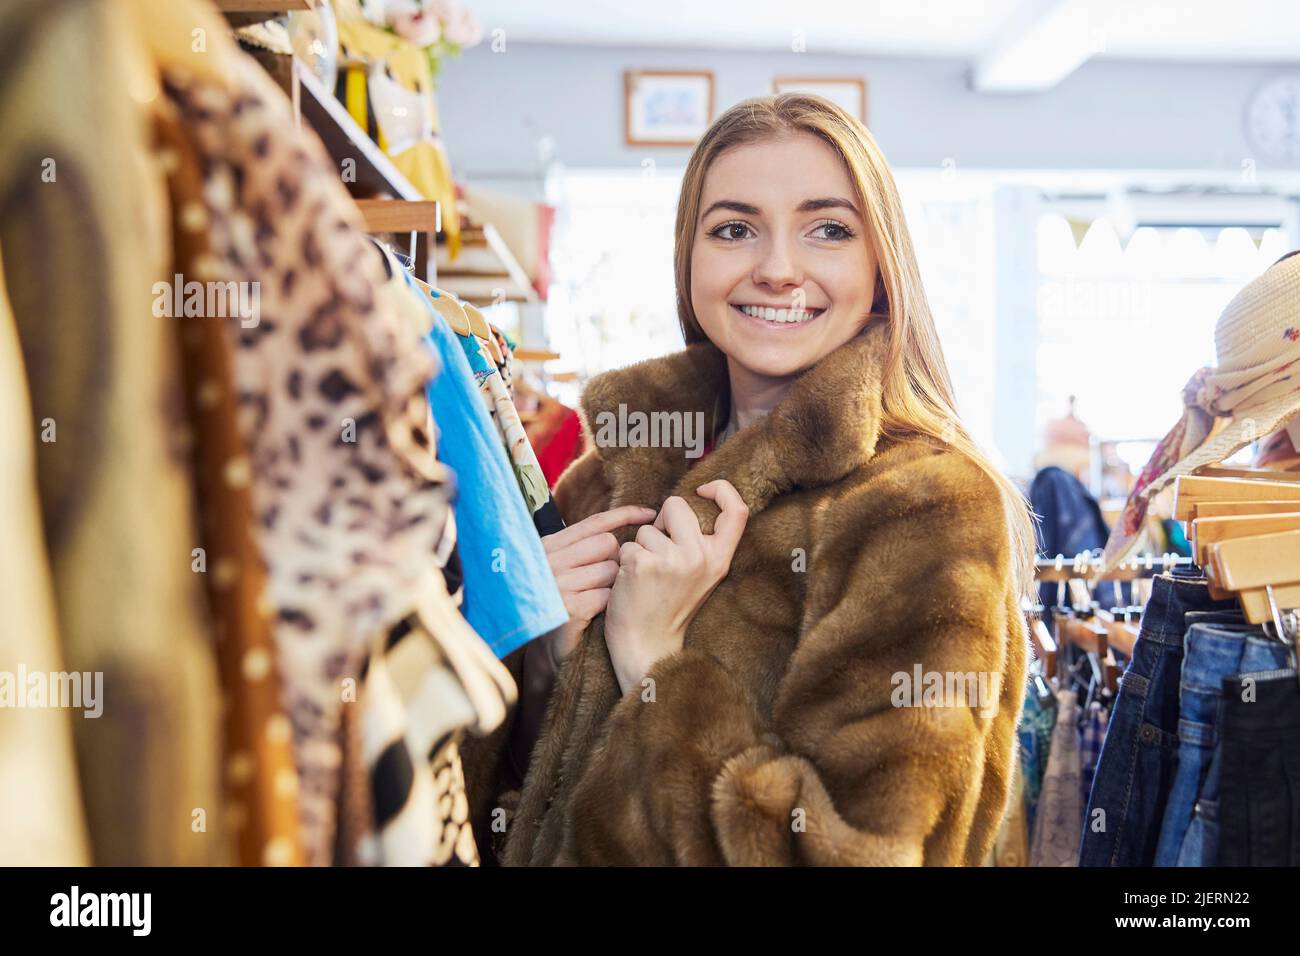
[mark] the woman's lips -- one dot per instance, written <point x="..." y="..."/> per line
<point x="765" y="324"/>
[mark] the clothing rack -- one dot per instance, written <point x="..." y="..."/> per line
<point x="1086" y="567"/>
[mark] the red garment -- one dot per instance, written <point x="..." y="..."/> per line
<point x="556" y="451"/>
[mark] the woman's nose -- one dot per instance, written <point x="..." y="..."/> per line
<point x="778" y="267"/>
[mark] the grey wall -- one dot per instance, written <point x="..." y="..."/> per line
<point x="1107" y="115"/>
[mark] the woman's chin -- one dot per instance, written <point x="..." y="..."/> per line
<point x="770" y="364"/>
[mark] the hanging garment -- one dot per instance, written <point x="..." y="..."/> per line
<point x="1259" y="809"/>
<point x="333" y="413"/>
<point x="418" y="699"/>
<point x="1140" y="752"/>
<point x="506" y="346"/>
<point x="1090" y="743"/>
<point x="41" y="821"/>
<point x="1217" y="648"/>
<point x="1012" y="845"/>
<point x="386" y="85"/>
<point x="415" y="713"/>
<point x="556" y="435"/>
<point x="1060" y="808"/>
<point x="81" y="189"/>
<point x="501" y="409"/>
<point x="356" y="813"/>
<point x="1035" y="738"/>
<point x="1071" y="522"/>
<point x="261" y="781"/>
<point x="510" y="594"/>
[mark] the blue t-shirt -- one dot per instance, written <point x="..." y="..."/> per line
<point x="510" y="593"/>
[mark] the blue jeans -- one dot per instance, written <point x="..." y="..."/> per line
<point x="1260" y="795"/>
<point x="1127" y="803"/>
<point x="1212" y="651"/>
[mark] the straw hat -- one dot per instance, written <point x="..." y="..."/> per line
<point x="1254" y="390"/>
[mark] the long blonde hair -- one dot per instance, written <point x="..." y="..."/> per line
<point x="918" y="395"/>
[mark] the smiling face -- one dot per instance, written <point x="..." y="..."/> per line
<point x="782" y="273"/>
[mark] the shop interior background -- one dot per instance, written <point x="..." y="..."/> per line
<point x="1087" y="182"/>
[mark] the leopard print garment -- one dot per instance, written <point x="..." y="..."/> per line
<point x="350" y="501"/>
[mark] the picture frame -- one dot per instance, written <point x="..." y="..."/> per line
<point x="849" y="92"/>
<point x="666" y="107"/>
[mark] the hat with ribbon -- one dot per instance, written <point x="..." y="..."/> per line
<point x="1253" y="391"/>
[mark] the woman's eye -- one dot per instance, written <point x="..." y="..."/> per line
<point x="834" y="231"/>
<point x="731" y="231"/>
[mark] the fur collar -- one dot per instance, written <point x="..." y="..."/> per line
<point x="826" y="426"/>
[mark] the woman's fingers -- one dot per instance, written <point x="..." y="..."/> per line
<point x="599" y="523"/>
<point x="733" y="514"/>
<point x="587" y="604"/>
<point x="598" y="547"/>
<point x="679" y="522"/>
<point x="652" y="539"/>
<point x="588" y="576"/>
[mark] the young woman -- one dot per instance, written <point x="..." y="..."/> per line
<point x="806" y="646"/>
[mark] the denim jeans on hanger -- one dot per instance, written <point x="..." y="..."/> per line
<point x="1259" y="804"/>
<point x="1127" y="803"/>
<point x="1213" y="650"/>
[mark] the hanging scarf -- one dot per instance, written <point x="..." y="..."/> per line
<point x="1209" y="395"/>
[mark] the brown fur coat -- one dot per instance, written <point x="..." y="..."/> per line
<point x="774" y="736"/>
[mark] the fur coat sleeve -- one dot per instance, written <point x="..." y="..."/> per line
<point x="912" y="579"/>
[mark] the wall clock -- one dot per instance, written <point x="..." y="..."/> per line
<point x="1273" y="119"/>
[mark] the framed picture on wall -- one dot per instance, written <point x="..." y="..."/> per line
<point x="666" y="107"/>
<point x="849" y="92"/>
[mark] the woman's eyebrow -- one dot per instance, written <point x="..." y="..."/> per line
<point x="808" y="205"/>
<point x="831" y="202"/>
<point x="733" y="205"/>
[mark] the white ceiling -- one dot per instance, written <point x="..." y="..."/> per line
<point x="974" y="30"/>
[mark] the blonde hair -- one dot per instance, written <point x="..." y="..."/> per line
<point x="918" y="395"/>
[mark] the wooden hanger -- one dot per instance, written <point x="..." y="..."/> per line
<point x="1208" y="531"/>
<point x="1228" y="509"/>
<point x="1268" y="474"/>
<point x="1044" y="645"/>
<point x="448" y="308"/>
<point x="1191" y="490"/>
<point x="479" y="323"/>
<point x="1265" y="572"/>
<point x="1251" y="566"/>
<point x="465" y="319"/>
<point x="1120" y="634"/>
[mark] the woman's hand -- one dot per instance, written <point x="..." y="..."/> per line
<point x="584" y="560"/>
<point x="663" y="578"/>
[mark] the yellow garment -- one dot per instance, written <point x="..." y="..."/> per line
<point x="41" y="822"/>
<point x="424" y="162"/>
<point x="85" y="229"/>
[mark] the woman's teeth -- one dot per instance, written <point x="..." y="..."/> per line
<point x="779" y="315"/>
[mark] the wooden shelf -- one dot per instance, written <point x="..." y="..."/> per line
<point x="262" y="6"/>
<point x="399" y="215"/>
<point x="486" y="270"/>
